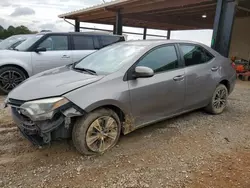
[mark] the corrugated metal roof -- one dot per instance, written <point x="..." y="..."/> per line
<point x="155" y="14"/>
<point x="100" y="6"/>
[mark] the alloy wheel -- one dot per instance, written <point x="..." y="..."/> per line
<point x="220" y="99"/>
<point x="10" y="79"/>
<point x="102" y="134"/>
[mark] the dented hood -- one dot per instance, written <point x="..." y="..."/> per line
<point x="55" y="82"/>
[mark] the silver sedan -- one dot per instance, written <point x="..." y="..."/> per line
<point x="119" y="89"/>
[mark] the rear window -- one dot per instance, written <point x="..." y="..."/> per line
<point x="107" y="40"/>
<point x="83" y="42"/>
<point x="194" y="54"/>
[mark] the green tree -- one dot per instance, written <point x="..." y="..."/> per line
<point x="11" y="30"/>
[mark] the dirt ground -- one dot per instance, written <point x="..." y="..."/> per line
<point x="195" y="150"/>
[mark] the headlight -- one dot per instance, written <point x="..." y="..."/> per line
<point x="42" y="109"/>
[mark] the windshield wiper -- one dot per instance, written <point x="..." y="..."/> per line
<point x="13" y="49"/>
<point x="73" y="66"/>
<point x="85" y="70"/>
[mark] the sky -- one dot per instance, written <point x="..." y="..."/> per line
<point x="43" y="14"/>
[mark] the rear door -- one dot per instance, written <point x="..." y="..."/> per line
<point x="57" y="53"/>
<point x="163" y="94"/>
<point x="83" y="45"/>
<point x="201" y="69"/>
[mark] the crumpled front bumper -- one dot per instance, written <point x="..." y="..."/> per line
<point x="39" y="133"/>
<point x="43" y="132"/>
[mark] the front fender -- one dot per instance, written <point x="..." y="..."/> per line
<point x="104" y="92"/>
<point x="24" y="61"/>
<point x="107" y="102"/>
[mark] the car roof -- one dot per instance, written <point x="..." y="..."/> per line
<point x="81" y="33"/>
<point x="155" y="42"/>
<point x="151" y="43"/>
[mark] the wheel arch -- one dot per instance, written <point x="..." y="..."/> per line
<point x="226" y="83"/>
<point x="117" y="110"/>
<point x="110" y="104"/>
<point x="17" y="66"/>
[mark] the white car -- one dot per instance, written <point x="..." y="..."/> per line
<point x="45" y="51"/>
<point x="13" y="41"/>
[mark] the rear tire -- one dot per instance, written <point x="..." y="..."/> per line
<point x="10" y="77"/>
<point x="218" y="101"/>
<point x="92" y="133"/>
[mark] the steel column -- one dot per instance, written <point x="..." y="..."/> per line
<point x="118" y="25"/>
<point x="114" y="29"/>
<point x="77" y="26"/>
<point x="169" y="34"/>
<point x="145" y="33"/>
<point x="223" y="25"/>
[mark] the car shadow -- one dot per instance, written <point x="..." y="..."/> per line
<point x="166" y="130"/>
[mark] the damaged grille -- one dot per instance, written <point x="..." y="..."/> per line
<point x="16" y="103"/>
<point x="27" y="123"/>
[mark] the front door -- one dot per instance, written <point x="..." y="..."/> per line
<point x="57" y="53"/>
<point x="161" y="95"/>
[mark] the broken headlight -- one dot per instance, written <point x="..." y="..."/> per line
<point x="43" y="109"/>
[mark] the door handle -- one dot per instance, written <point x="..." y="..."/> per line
<point x="179" y="78"/>
<point x="65" y="56"/>
<point x="214" y="69"/>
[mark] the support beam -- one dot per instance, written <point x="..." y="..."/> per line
<point x="118" y="28"/>
<point x="145" y="33"/>
<point x="169" y="34"/>
<point x="114" y="29"/>
<point x="223" y="25"/>
<point x="77" y="26"/>
<point x="132" y="33"/>
<point x="243" y="8"/>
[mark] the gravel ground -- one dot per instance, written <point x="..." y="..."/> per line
<point x="193" y="150"/>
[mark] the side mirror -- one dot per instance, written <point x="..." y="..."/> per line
<point x="143" y="72"/>
<point x="40" y="49"/>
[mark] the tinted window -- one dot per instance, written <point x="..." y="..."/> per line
<point x="107" y="40"/>
<point x="83" y="43"/>
<point x="194" y="55"/>
<point x="55" y="43"/>
<point x="161" y="59"/>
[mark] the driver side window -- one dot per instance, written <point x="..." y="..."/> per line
<point x="161" y="59"/>
<point x="55" y="43"/>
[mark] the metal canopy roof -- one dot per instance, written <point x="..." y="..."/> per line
<point x="155" y="14"/>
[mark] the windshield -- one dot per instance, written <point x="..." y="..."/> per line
<point x="28" y="43"/>
<point x="110" y="59"/>
<point x="12" y="41"/>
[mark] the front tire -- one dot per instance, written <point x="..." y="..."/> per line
<point x="96" y="132"/>
<point x="218" y="101"/>
<point x="10" y="77"/>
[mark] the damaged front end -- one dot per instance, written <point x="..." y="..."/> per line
<point x="42" y="121"/>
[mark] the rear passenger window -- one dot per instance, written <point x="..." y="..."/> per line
<point x="194" y="55"/>
<point x="107" y="40"/>
<point x="83" y="42"/>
